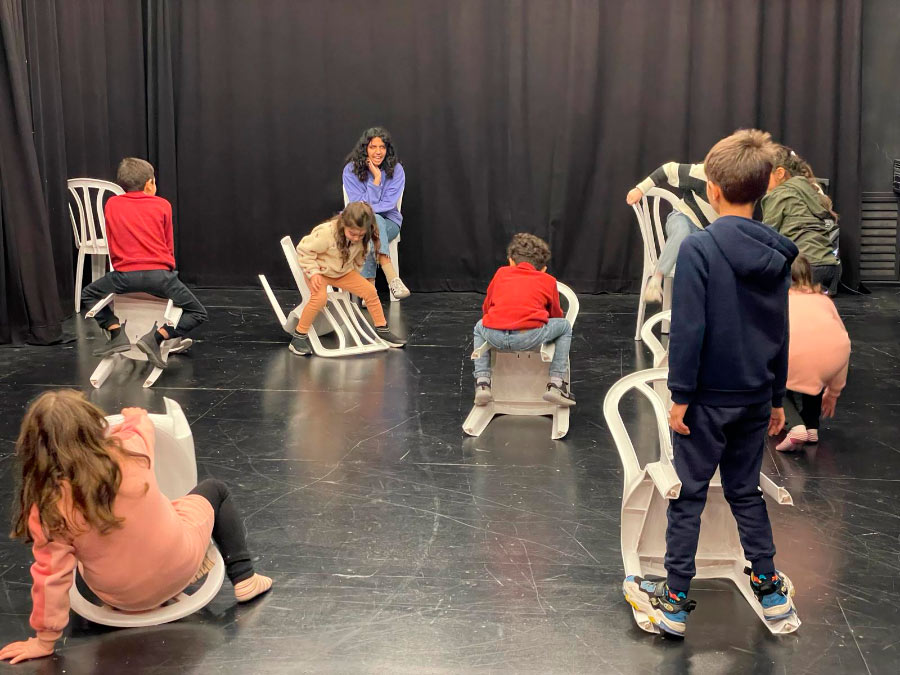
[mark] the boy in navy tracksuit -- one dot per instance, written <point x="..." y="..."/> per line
<point x="728" y="351"/>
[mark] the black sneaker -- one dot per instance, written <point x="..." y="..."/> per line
<point x="115" y="345"/>
<point x="652" y="597"/>
<point x="385" y="334"/>
<point x="300" y="345"/>
<point x="150" y="347"/>
<point x="559" y="395"/>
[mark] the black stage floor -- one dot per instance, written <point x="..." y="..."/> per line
<point x="399" y="545"/>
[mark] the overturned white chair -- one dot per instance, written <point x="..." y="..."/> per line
<point x="138" y="312"/>
<point x="653" y="234"/>
<point x="175" y="466"/>
<point x="660" y="353"/>
<point x="393" y="246"/>
<point x="519" y="380"/>
<point x="645" y="498"/>
<point x="341" y="316"/>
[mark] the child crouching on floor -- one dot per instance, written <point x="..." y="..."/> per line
<point x="88" y="496"/>
<point x="521" y="313"/>
<point x="332" y="255"/>
<point x="818" y="358"/>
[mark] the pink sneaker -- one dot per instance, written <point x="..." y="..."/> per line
<point x="794" y="440"/>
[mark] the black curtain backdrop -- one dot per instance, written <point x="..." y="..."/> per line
<point x="508" y="116"/>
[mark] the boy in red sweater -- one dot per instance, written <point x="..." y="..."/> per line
<point x="521" y="313"/>
<point x="142" y="252"/>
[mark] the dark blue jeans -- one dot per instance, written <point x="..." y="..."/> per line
<point x="161" y="283"/>
<point x="732" y="439"/>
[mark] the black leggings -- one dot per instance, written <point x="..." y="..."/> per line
<point x="802" y="408"/>
<point x="228" y="530"/>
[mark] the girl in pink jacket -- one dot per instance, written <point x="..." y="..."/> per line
<point x="818" y="358"/>
<point x="89" y="497"/>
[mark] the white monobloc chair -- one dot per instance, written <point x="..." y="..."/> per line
<point x="652" y="227"/>
<point x="90" y="226"/>
<point x="175" y="467"/>
<point x="660" y="353"/>
<point x="392" y="248"/>
<point x="340" y="315"/>
<point x="519" y="380"/>
<point x="646" y="492"/>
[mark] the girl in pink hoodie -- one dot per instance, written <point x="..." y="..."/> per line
<point x="89" y="497"/>
<point x="818" y="358"/>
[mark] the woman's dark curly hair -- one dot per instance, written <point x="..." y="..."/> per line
<point x="358" y="156"/>
<point x="359" y="216"/>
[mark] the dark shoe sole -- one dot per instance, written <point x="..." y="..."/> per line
<point x="298" y="353"/>
<point x="151" y="355"/>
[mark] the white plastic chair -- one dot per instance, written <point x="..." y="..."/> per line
<point x="138" y="312"/>
<point x="652" y="227"/>
<point x="392" y="248"/>
<point x="645" y="498"/>
<point x="340" y="315"/>
<point x="519" y="380"/>
<point x="90" y="228"/>
<point x="175" y="467"/>
<point x="660" y="353"/>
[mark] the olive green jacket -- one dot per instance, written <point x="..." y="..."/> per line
<point x="795" y="210"/>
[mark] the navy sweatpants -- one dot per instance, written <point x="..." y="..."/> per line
<point x="733" y="439"/>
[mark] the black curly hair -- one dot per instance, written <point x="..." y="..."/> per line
<point x="358" y="156"/>
<point x="528" y="248"/>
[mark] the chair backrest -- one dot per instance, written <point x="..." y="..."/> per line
<point x="572" y="305"/>
<point x="660" y="353"/>
<point x="175" y="464"/>
<point x="399" y="200"/>
<point x="89" y="195"/>
<point x="651" y="223"/>
<point x="290" y="253"/>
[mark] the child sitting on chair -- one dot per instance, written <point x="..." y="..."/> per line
<point x="691" y="213"/>
<point x="522" y="312"/>
<point x="332" y="255"/>
<point x="728" y="351"/>
<point x="89" y="497"/>
<point x="818" y="358"/>
<point x="142" y="252"/>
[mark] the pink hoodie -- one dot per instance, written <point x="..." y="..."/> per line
<point x="147" y="561"/>
<point x="819" y="352"/>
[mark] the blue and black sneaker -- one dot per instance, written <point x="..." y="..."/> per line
<point x="665" y="608"/>
<point x="774" y="593"/>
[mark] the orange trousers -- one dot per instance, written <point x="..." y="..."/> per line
<point x="353" y="282"/>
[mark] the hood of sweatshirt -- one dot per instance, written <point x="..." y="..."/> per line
<point x="753" y="249"/>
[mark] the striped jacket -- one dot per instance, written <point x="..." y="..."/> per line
<point x="688" y="182"/>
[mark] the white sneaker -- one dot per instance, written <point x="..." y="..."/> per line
<point x="654" y="290"/>
<point x="398" y="289"/>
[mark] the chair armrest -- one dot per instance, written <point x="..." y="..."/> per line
<point x="100" y="305"/>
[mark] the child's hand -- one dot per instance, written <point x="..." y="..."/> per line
<point x="776" y="421"/>
<point x="315" y="283"/>
<point x="32" y="648"/>
<point x="634" y="196"/>
<point x="828" y="406"/>
<point x="676" y="419"/>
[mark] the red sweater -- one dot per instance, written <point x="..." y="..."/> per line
<point x="520" y="298"/>
<point x="139" y="232"/>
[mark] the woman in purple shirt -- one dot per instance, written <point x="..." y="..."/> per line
<point x="374" y="175"/>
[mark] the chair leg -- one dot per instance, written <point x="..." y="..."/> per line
<point x="102" y="371"/>
<point x="478" y="419"/>
<point x="152" y="377"/>
<point x="668" y="283"/>
<point x="395" y="261"/>
<point x="79" y="274"/>
<point x="98" y="267"/>
<point x="642" y="305"/>
<point x="560" y="423"/>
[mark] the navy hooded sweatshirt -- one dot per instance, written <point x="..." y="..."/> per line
<point x="728" y="344"/>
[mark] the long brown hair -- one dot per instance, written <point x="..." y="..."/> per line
<point x="801" y="276"/>
<point x="359" y="216"/>
<point x="63" y="440"/>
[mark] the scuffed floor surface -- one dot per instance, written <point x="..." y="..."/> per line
<point x="398" y="545"/>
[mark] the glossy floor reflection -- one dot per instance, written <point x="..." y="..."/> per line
<point x="399" y="545"/>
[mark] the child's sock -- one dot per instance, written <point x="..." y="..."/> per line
<point x="389" y="272"/>
<point x="675" y="595"/>
<point x="159" y="337"/>
<point x="556" y="381"/>
<point x="113" y="332"/>
<point x="205" y="568"/>
<point x="249" y="588"/>
<point x="483" y="380"/>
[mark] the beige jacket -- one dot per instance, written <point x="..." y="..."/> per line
<point x="318" y="253"/>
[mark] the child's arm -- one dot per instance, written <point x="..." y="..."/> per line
<point x="688" y="325"/>
<point x="309" y="249"/>
<point x="384" y="197"/>
<point x="489" y="297"/>
<point x="682" y="177"/>
<point x="52" y="574"/>
<point x="355" y="188"/>
<point x="555" y="308"/>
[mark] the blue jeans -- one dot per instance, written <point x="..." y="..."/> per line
<point x="388" y="230"/>
<point x="678" y="227"/>
<point x="555" y="330"/>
